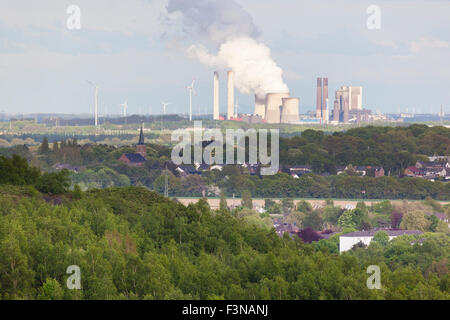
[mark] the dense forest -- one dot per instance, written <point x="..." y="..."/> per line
<point x="131" y="243"/>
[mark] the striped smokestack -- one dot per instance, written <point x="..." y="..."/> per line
<point x="230" y="110"/>
<point x="216" y="96"/>
<point x="324" y="101"/>
<point x="319" y="99"/>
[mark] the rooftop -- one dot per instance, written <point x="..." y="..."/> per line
<point x="391" y="233"/>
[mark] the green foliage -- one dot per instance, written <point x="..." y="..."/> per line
<point x="247" y="200"/>
<point x="131" y="243"/>
<point x="380" y="238"/>
<point x="54" y="182"/>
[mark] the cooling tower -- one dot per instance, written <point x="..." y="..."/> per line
<point x="289" y="111"/>
<point x="260" y="106"/>
<point x="230" y="109"/>
<point x="319" y="99"/>
<point x="216" y="96"/>
<point x="273" y="104"/>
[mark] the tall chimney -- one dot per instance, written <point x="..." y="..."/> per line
<point x="324" y="101"/>
<point x="336" y="111"/>
<point x="216" y="96"/>
<point x="319" y="99"/>
<point x="230" y="113"/>
<point x="346" y="106"/>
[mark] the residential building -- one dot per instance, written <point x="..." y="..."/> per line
<point x="136" y="159"/>
<point x="347" y="241"/>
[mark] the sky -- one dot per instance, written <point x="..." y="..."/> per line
<point x="136" y="51"/>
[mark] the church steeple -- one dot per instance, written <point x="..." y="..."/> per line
<point x="140" y="148"/>
<point x="141" y="136"/>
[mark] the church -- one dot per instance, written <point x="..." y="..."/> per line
<point x="136" y="159"/>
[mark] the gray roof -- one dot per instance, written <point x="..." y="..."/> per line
<point x="391" y="233"/>
<point x="135" y="157"/>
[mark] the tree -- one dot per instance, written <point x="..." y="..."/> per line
<point x="247" y="200"/>
<point x="268" y="203"/>
<point x="313" y="220"/>
<point x="434" y="221"/>
<point x="415" y="220"/>
<point x="381" y="238"/>
<point x="54" y="182"/>
<point x="396" y="219"/>
<point x="287" y="204"/>
<point x="55" y="147"/>
<point x="304" y="206"/>
<point x="345" y="221"/>
<point x="223" y="201"/>
<point x="308" y="235"/>
<point x="51" y="290"/>
<point x="44" y="149"/>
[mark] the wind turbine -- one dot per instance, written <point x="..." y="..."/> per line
<point x="96" y="101"/>
<point x="191" y="90"/>
<point x="125" y="108"/>
<point x="165" y="104"/>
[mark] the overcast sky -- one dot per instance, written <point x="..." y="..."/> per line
<point x="135" y="52"/>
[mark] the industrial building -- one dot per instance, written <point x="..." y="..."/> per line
<point x="348" y="106"/>
<point x="273" y="107"/>
<point x="322" y="112"/>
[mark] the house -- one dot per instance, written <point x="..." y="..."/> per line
<point x="340" y="169"/>
<point x="61" y="166"/>
<point x="435" y="172"/>
<point x="377" y="171"/>
<point x="413" y="171"/>
<point x="281" y="228"/>
<point x="217" y="167"/>
<point x="136" y="159"/>
<point x="187" y="169"/>
<point x="298" y="171"/>
<point x="132" y="159"/>
<point x="433" y="164"/>
<point x="441" y="216"/>
<point x="430" y="170"/>
<point x="347" y="241"/>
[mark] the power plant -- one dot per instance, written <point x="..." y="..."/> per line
<point x="274" y="103"/>
<point x="348" y="105"/>
<point x="280" y="107"/>
<point x="274" y="107"/>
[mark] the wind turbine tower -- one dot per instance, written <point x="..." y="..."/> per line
<point x="124" y="108"/>
<point x="96" y="102"/>
<point x="191" y="91"/>
<point x="165" y="104"/>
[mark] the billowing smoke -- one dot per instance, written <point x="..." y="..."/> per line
<point x="228" y="25"/>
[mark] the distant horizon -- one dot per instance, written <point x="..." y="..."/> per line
<point x="138" y="51"/>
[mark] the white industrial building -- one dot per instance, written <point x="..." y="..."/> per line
<point x="347" y="241"/>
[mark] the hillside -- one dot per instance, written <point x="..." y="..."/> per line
<point x="131" y="243"/>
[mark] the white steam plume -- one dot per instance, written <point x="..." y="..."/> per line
<point x="228" y="25"/>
